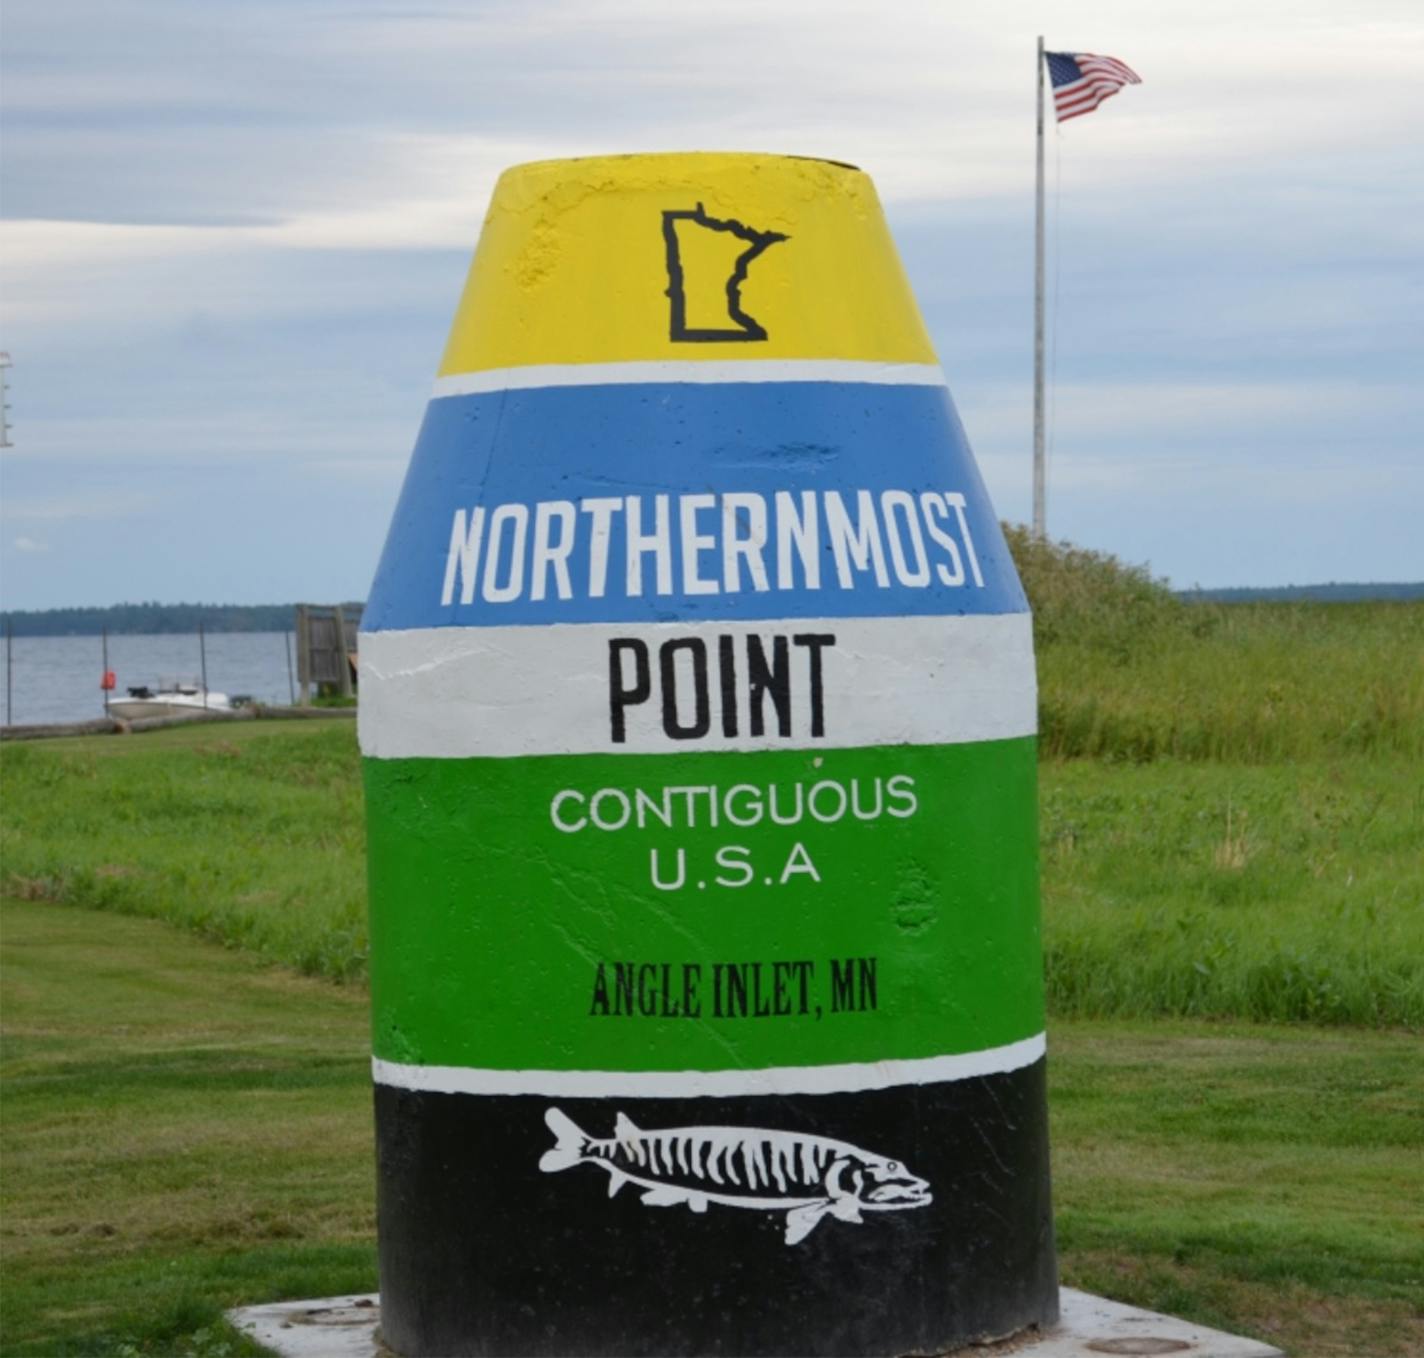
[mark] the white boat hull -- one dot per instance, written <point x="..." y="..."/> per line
<point x="167" y="705"/>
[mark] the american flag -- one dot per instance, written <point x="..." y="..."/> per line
<point x="1081" y="81"/>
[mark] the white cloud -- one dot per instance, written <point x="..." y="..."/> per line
<point x="241" y="229"/>
<point x="385" y="130"/>
<point x="1268" y="442"/>
<point x="289" y="438"/>
<point x="24" y="544"/>
<point x="92" y="506"/>
<point x="1151" y="411"/>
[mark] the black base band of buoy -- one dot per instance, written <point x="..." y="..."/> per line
<point x="482" y="1253"/>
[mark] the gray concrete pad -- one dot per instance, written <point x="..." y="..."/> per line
<point x="1091" y="1326"/>
<point x="345" y="1327"/>
<point x="332" y="1327"/>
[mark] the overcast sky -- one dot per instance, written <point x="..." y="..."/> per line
<point x="235" y="235"/>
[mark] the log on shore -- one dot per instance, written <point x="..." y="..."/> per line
<point x="187" y="719"/>
<point x="302" y="713"/>
<point x="118" y="726"/>
<point x="100" y="726"/>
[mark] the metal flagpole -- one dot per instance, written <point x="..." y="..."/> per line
<point x="203" y="655"/>
<point x="1038" y="315"/>
<point x="1039" y="528"/>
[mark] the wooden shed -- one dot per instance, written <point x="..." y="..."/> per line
<point x="326" y="649"/>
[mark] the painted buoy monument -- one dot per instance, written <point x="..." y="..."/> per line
<point x="698" y="724"/>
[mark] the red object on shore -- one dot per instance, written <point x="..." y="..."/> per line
<point x="108" y="682"/>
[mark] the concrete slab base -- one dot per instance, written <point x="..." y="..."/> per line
<point x="331" y="1327"/>
<point x="345" y="1327"/>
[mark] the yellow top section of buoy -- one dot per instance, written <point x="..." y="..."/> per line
<point x="684" y="256"/>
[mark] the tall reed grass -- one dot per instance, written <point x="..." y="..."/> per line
<point x="1286" y="892"/>
<point x="1128" y="672"/>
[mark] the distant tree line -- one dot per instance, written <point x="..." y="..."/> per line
<point x="151" y="619"/>
<point x="1330" y="593"/>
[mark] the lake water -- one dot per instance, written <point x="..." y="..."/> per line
<point x="57" y="678"/>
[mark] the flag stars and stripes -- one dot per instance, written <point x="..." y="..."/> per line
<point x="1082" y="80"/>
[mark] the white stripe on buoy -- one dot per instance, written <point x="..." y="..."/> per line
<point x="688" y="370"/>
<point x="849" y="1078"/>
<point x="502" y="692"/>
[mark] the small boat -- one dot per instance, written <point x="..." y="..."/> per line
<point x="172" y="698"/>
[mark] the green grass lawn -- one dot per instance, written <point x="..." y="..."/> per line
<point x="185" y="1129"/>
<point x="1263" y="1179"/>
<point x="251" y="834"/>
<point x="1261" y="891"/>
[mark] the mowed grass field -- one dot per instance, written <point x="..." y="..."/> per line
<point x="1232" y="842"/>
<point x="187" y="1129"/>
<point x="184" y="1129"/>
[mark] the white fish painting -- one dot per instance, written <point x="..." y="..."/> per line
<point x="807" y="1177"/>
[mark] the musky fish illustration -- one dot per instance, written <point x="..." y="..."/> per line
<point x="807" y="1176"/>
